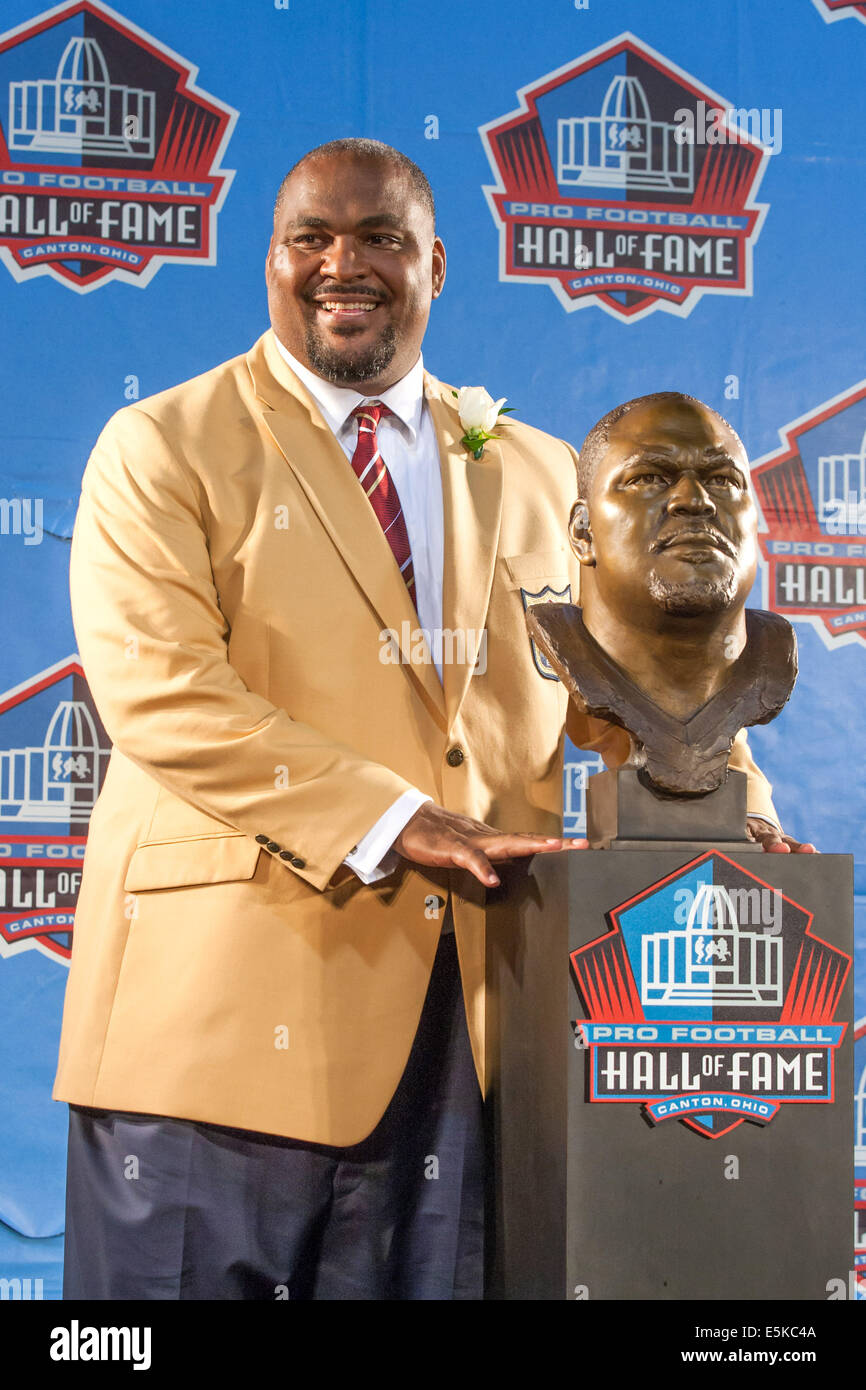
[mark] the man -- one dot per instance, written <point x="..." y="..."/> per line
<point x="265" y="1046"/>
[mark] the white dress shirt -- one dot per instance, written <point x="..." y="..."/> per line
<point x="407" y="441"/>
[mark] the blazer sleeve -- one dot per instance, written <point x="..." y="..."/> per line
<point x="154" y="645"/>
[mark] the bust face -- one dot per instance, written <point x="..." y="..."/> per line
<point x="673" y="525"/>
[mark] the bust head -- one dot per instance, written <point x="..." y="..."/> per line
<point x="665" y="530"/>
<point x="666" y="526"/>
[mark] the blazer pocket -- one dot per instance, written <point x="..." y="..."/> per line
<point x="525" y="569"/>
<point x="193" y="860"/>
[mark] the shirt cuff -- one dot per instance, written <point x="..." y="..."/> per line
<point x="372" y="857"/>
<point x="756" y="815"/>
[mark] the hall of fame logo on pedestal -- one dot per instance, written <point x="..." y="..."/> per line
<point x="54" y="754"/>
<point x="109" y="152"/>
<point x="710" y="1001"/>
<point x="812" y="534"/>
<point x="624" y="182"/>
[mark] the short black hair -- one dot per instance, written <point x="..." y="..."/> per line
<point x="362" y="148"/>
<point x="593" y="448"/>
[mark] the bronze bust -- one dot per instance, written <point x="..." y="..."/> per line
<point x="666" y="531"/>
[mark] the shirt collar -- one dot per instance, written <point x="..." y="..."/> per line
<point x="405" y="398"/>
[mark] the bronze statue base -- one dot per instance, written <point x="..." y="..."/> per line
<point x="623" y="813"/>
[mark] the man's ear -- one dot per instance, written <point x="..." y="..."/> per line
<point x="438" y="267"/>
<point x="580" y="533"/>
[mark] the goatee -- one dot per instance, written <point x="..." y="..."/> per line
<point x="342" y="367"/>
<point x="693" y="597"/>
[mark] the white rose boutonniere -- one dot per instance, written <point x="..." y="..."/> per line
<point x="478" y="412"/>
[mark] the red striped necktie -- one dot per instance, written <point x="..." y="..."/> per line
<point x="378" y="484"/>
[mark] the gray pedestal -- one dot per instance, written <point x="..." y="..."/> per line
<point x="591" y="1198"/>
<point x="622" y="813"/>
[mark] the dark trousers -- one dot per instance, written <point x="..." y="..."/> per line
<point x="162" y="1208"/>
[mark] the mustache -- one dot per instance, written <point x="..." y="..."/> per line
<point x="344" y="292"/>
<point x="697" y="533"/>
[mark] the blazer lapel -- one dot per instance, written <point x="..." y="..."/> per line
<point x="472" y="506"/>
<point x="326" y="477"/>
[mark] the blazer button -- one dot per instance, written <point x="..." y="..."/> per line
<point x="272" y="846"/>
<point x="262" y="839"/>
<point x="285" y="854"/>
<point x="299" y="863"/>
<point x="454" y="756"/>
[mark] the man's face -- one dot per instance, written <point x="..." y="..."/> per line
<point x="673" y="523"/>
<point x="351" y="271"/>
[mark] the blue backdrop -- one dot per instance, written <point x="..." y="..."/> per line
<point x="608" y="235"/>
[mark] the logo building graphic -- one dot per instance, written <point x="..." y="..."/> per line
<point x="711" y="960"/>
<point x="624" y="182"/>
<point x="710" y="1001"/>
<point x="110" y="154"/>
<point x="812" y="496"/>
<point x="80" y="110"/>
<point x="59" y="778"/>
<point x="623" y="147"/>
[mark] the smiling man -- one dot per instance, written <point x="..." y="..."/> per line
<point x="276" y="998"/>
<point x="349" y="291"/>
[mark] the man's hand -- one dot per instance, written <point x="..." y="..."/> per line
<point x="440" y="837"/>
<point x="772" y="840"/>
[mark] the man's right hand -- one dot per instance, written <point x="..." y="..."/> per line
<point x="446" y="839"/>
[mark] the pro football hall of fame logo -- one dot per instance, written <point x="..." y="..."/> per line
<point x="711" y="1001"/>
<point x="54" y="755"/>
<point x="812" y="495"/>
<point x="624" y="182"/>
<point x="109" y="152"/>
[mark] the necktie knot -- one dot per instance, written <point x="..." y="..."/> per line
<point x="368" y="416"/>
